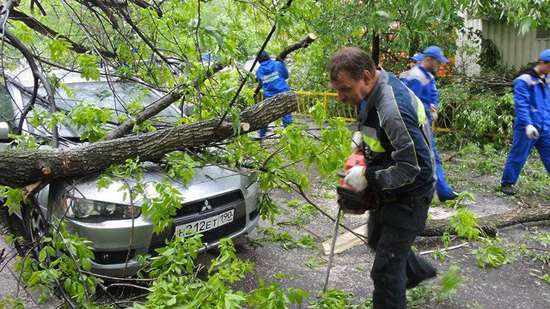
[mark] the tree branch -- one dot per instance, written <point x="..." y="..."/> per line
<point x="49" y="32"/>
<point x="23" y="167"/>
<point x="155" y="108"/>
<point x="37" y="74"/>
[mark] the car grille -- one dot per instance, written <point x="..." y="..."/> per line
<point x="113" y="257"/>
<point x="223" y="231"/>
<point x="215" y="202"/>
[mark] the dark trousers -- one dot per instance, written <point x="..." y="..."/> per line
<point x="391" y="233"/>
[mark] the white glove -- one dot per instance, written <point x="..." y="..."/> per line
<point x="356" y="178"/>
<point x="531" y="132"/>
<point x="357" y="142"/>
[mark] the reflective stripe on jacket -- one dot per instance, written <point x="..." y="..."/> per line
<point x="422" y="83"/>
<point x="393" y="122"/>
<point x="532" y="101"/>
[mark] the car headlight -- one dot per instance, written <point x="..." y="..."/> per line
<point x="81" y="208"/>
<point x="250" y="179"/>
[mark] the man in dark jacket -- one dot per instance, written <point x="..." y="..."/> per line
<point x="394" y="126"/>
<point x="532" y="122"/>
<point x="272" y="75"/>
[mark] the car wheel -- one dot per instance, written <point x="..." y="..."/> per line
<point x="35" y="223"/>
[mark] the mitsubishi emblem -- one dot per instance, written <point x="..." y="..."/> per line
<point x="206" y="206"/>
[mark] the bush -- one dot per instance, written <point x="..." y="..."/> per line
<point x="476" y="115"/>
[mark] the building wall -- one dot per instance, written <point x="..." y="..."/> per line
<point x="468" y="51"/>
<point x="516" y="50"/>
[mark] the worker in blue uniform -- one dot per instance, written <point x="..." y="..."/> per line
<point x="272" y="75"/>
<point x="532" y="121"/>
<point x="422" y="82"/>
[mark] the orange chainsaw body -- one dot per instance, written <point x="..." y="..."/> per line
<point x="351" y="201"/>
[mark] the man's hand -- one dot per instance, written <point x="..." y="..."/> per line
<point x="357" y="142"/>
<point x="356" y="178"/>
<point x="531" y="131"/>
<point x="434" y="112"/>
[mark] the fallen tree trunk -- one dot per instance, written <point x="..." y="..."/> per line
<point x="490" y="224"/>
<point x="156" y="107"/>
<point x="23" y="167"/>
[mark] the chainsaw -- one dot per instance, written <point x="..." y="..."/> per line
<point x="350" y="201"/>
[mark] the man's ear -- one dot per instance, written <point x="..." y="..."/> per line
<point x="367" y="76"/>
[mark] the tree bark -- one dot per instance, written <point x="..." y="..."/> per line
<point x="22" y="167"/>
<point x="490" y="224"/>
<point x="303" y="43"/>
<point x="156" y="107"/>
<point x="375" y="48"/>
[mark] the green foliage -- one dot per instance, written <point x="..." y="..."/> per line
<point x="492" y="254"/>
<point x="464" y="223"/>
<point x="11" y="198"/>
<point x="333" y="298"/>
<point x="267" y="208"/>
<point x="450" y="281"/>
<point x="8" y="301"/>
<point x="439" y="255"/>
<point x="274" y="297"/>
<point x="58" y="47"/>
<point x="545" y="278"/>
<point x="180" y="166"/>
<point x="318" y="113"/>
<point x="489" y="57"/>
<point x="162" y="208"/>
<point x="286" y="240"/>
<point x="306" y="213"/>
<point x="90" y="119"/>
<point x="476" y="115"/>
<point x="88" y="66"/>
<point x="177" y="285"/>
<point x="315" y="262"/>
<point x="41" y="118"/>
<point x="61" y="259"/>
<point x="23" y="141"/>
<point x="459" y="201"/>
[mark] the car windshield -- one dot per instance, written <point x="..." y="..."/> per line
<point x="119" y="97"/>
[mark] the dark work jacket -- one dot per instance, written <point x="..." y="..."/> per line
<point x="395" y="128"/>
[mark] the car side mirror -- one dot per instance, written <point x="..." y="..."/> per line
<point x="4" y="130"/>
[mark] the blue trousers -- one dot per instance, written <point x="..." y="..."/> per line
<point x="442" y="188"/>
<point x="521" y="147"/>
<point x="287" y="120"/>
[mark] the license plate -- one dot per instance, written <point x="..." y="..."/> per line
<point x="208" y="223"/>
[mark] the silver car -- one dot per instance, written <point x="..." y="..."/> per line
<point x="217" y="202"/>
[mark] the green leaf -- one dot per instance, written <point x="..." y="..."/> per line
<point x="88" y="65"/>
<point x="171" y="301"/>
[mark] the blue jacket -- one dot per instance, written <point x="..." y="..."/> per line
<point x="422" y="83"/>
<point x="532" y="101"/>
<point x="272" y="76"/>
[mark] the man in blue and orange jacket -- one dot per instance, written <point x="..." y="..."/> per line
<point x="422" y="82"/>
<point x="272" y="75"/>
<point x="532" y="121"/>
